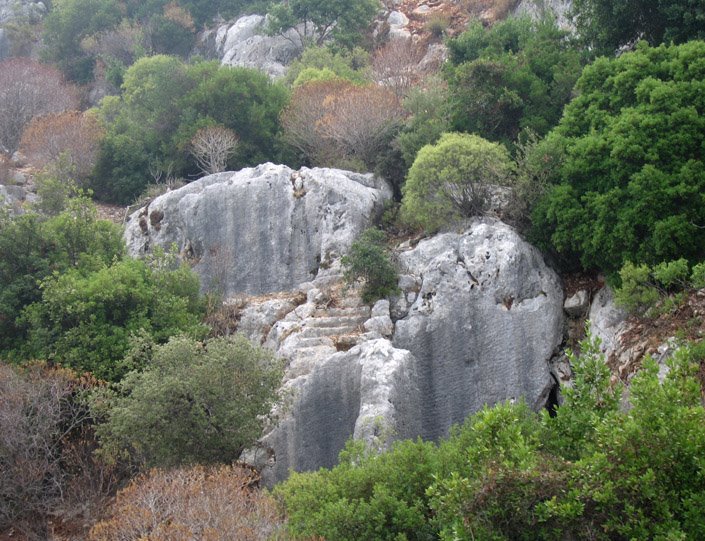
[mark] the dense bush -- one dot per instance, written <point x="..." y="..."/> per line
<point x="631" y="177"/>
<point x="594" y="471"/>
<point x="164" y="103"/>
<point x="518" y="74"/>
<point x="605" y="26"/>
<point x="214" y="504"/>
<point x="454" y="179"/>
<point x="85" y="320"/>
<point x="368" y="261"/>
<point x="193" y="402"/>
<point x="349" y="65"/>
<point x="33" y="247"/>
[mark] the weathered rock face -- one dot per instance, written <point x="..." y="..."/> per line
<point x="13" y="10"/>
<point x="540" y="8"/>
<point x="245" y="43"/>
<point x="482" y="314"/>
<point x="367" y="392"/>
<point x="607" y="321"/>
<point x="477" y="322"/>
<point x="261" y="229"/>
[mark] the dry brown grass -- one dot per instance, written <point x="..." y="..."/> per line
<point x="207" y="503"/>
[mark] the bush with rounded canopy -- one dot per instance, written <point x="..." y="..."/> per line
<point x="631" y="180"/>
<point x="453" y="179"/>
<point x="194" y="402"/>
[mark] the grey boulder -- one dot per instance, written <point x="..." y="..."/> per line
<point x="262" y="229"/>
<point x="245" y="43"/>
<point x="483" y="325"/>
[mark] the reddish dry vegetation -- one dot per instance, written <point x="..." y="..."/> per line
<point x="71" y="134"/>
<point x="206" y="503"/>
<point x="29" y="89"/>
<point x="53" y="484"/>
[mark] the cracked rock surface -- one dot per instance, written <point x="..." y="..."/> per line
<point x="485" y="321"/>
<point x="262" y="229"/>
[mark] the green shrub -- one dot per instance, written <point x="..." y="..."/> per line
<point x="648" y="290"/>
<point x="164" y="103"/>
<point x="586" y="404"/>
<point x="453" y="179"/>
<point x="367" y="496"/>
<point x="637" y="293"/>
<point x="515" y="75"/>
<point x="631" y="181"/>
<point x="697" y="277"/>
<point x="86" y="320"/>
<point x="32" y="247"/>
<point x="369" y="262"/>
<point x="194" y="402"/>
<point x="672" y="274"/>
<point x="605" y="26"/>
<point x="349" y="65"/>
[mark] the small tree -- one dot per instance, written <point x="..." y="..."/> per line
<point x="314" y="21"/>
<point x="334" y="121"/>
<point x="454" y="179"/>
<point x="369" y="262"/>
<point x="211" y="147"/>
<point x="29" y="89"/>
<point x="76" y="135"/>
<point x="193" y="403"/>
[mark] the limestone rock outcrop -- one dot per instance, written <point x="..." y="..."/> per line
<point x="14" y="10"/>
<point x="368" y="392"/>
<point x="539" y="9"/>
<point x="482" y="314"/>
<point x="477" y="321"/>
<point x="608" y="322"/>
<point x="262" y="229"/>
<point x="245" y="43"/>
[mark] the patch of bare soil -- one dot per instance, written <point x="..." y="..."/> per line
<point x="112" y="213"/>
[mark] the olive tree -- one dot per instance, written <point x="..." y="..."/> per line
<point x="194" y="403"/>
<point x="454" y="179"/>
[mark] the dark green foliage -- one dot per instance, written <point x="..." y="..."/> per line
<point x="594" y="472"/>
<point x="86" y="320"/>
<point x="33" y="247"/>
<point x="606" y="25"/>
<point x="169" y="37"/>
<point x="368" y="261"/>
<point x="194" y="402"/>
<point x="518" y="74"/>
<point x="345" y="21"/>
<point x="164" y="103"/>
<point x="646" y="290"/>
<point x="586" y="404"/>
<point x="69" y="22"/>
<point x="631" y="178"/>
